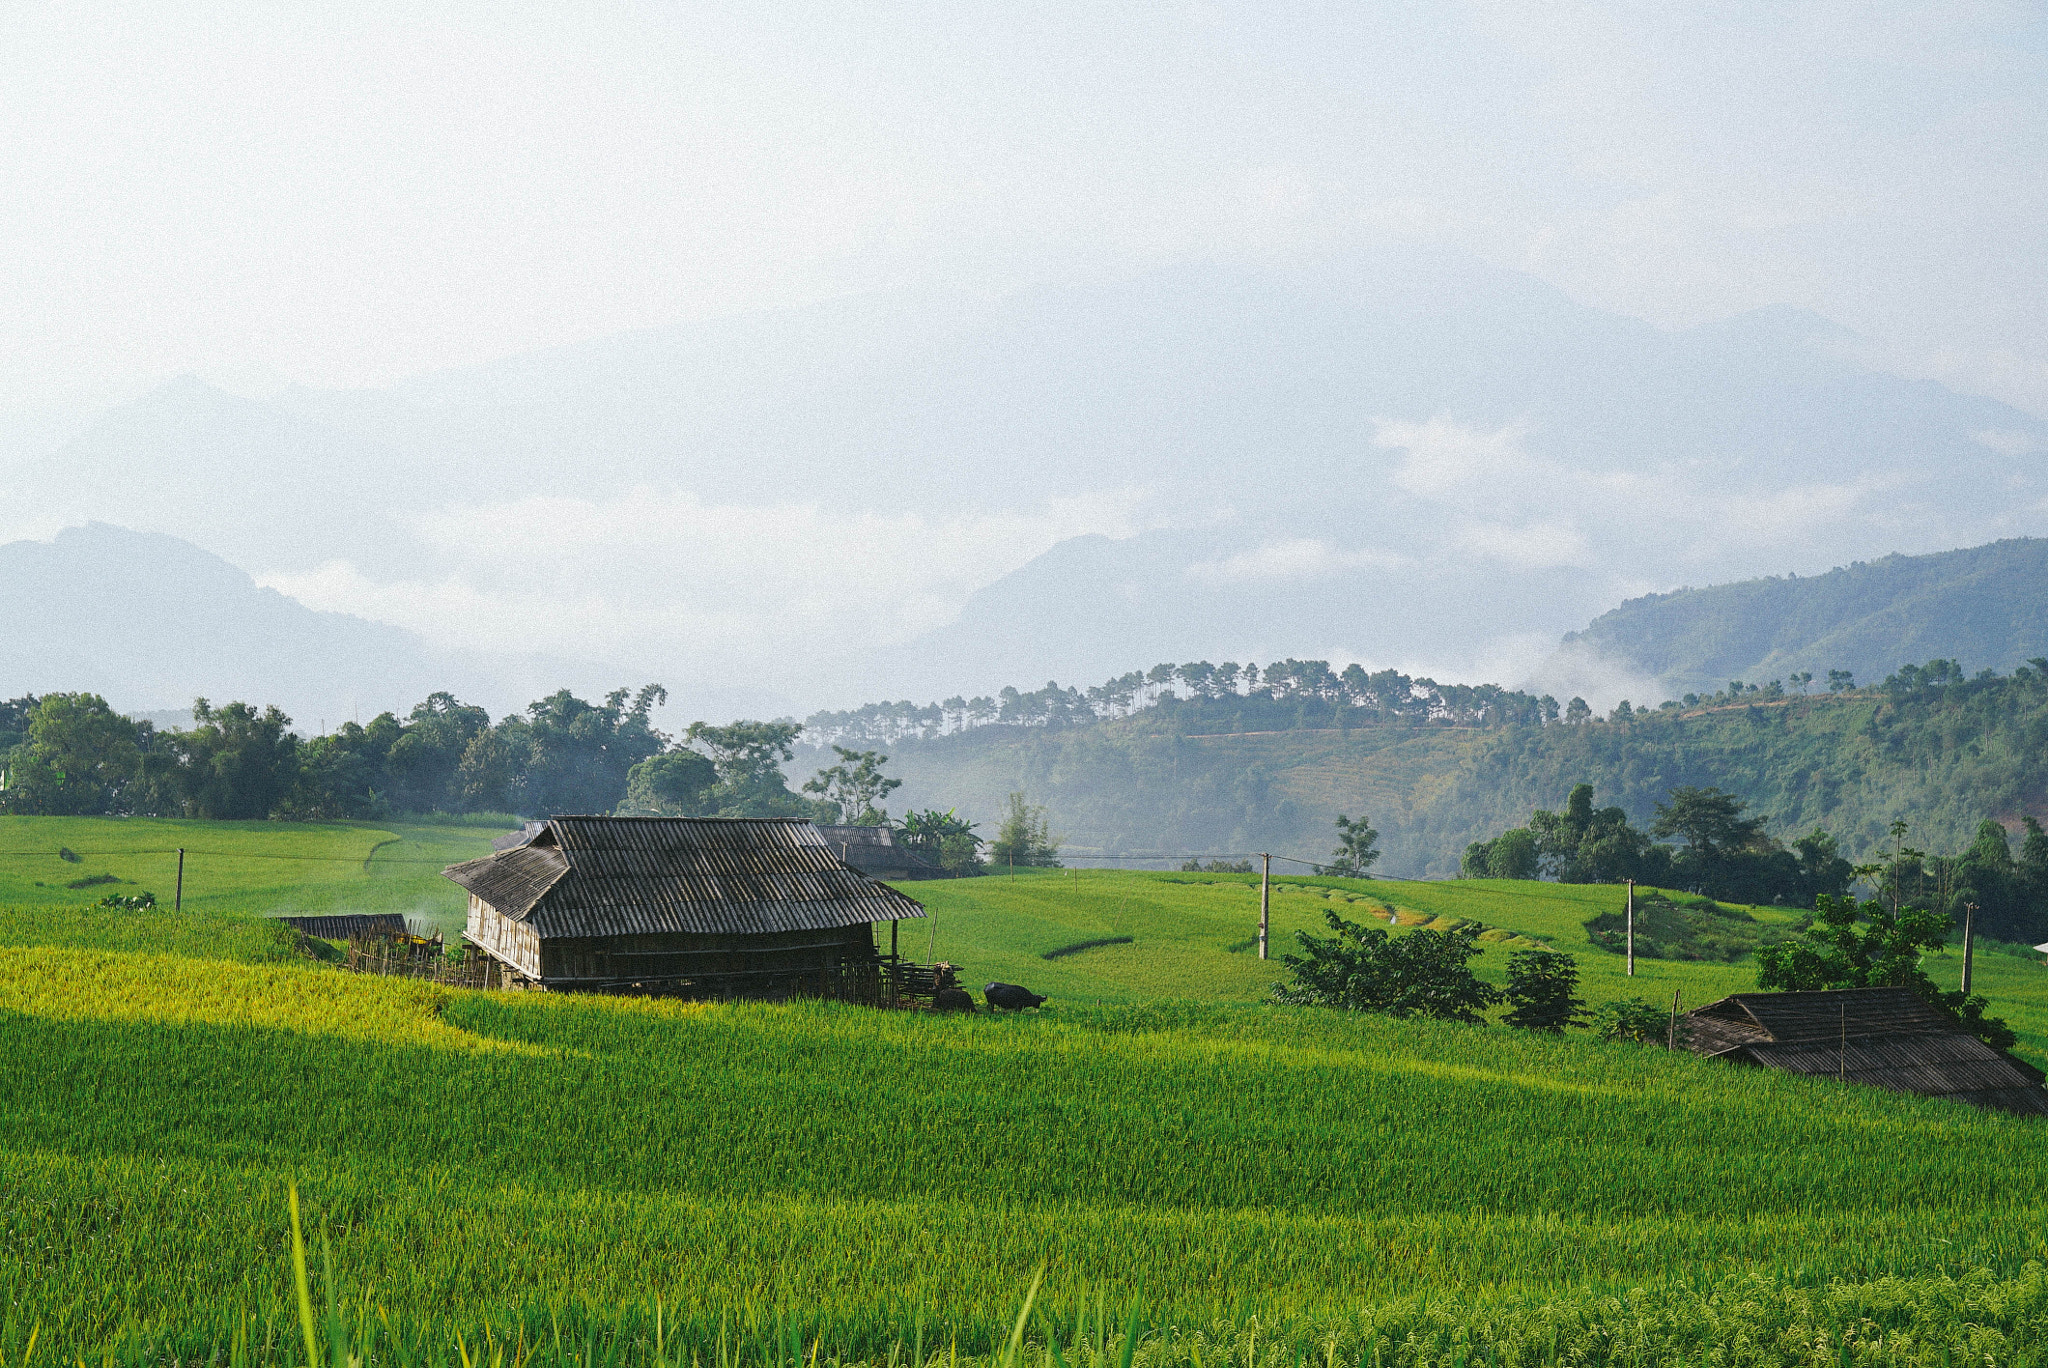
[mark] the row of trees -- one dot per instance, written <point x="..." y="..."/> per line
<point x="1726" y="853"/>
<point x="1384" y="695"/>
<point x="72" y="754"/>
<point x="1305" y="692"/>
<point x="75" y="755"/>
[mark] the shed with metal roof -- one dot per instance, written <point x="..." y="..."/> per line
<point x="1889" y="1038"/>
<point x="875" y="852"/>
<point x="695" y="906"/>
<point x="343" y="926"/>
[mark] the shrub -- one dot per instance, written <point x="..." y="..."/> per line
<point x="1363" y="969"/>
<point x="1543" y="991"/>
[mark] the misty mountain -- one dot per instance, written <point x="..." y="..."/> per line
<point x="151" y="622"/>
<point x="1408" y="458"/>
<point x="250" y="482"/>
<point x="1984" y="606"/>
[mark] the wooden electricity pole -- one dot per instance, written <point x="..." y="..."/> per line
<point x="1265" y="899"/>
<point x="178" y="900"/>
<point x="1969" y="941"/>
<point x="1631" y="928"/>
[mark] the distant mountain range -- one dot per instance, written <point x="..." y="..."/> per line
<point x="151" y="622"/>
<point x="1986" y="607"/>
<point x="1407" y="458"/>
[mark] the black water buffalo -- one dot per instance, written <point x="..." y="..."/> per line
<point x="1009" y="996"/>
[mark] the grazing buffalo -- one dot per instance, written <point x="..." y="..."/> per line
<point x="951" y="999"/>
<point x="1009" y="996"/>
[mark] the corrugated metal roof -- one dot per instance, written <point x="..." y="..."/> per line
<point x="873" y="848"/>
<point x="342" y="925"/>
<point x="1797" y="1016"/>
<point x="513" y="839"/>
<point x="512" y="880"/>
<point x="1885" y="1037"/>
<point x="612" y="876"/>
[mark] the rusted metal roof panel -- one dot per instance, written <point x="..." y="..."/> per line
<point x="1886" y="1037"/>
<point x="512" y="881"/>
<point x="651" y="875"/>
<point x="1814" y="1016"/>
<point x="342" y="925"/>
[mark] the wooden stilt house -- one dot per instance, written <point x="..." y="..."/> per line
<point x="692" y="906"/>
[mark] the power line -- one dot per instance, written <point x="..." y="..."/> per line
<point x="1228" y="855"/>
<point x="245" y="855"/>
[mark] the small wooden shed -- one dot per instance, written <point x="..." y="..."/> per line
<point x="693" y="906"/>
<point x="343" y="926"/>
<point x="875" y="852"/>
<point x="1887" y="1037"/>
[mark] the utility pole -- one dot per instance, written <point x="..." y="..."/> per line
<point x="1631" y="928"/>
<point x="1265" y="899"/>
<point x="178" y="904"/>
<point x="1969" y="942"/>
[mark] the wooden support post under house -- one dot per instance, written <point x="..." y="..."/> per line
<point x="1631" y="928"/>
<point x="1265" y="899"/>
<point x="1842" y="1046"/>
<point x="1969" y="942"/>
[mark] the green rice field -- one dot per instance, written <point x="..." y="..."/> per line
<point x="550" y="1178"/>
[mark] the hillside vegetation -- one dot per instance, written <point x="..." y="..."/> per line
<point x="1189" y="776"/>
<point x="1972" y="605"/>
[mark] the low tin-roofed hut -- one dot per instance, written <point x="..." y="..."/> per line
<point x="698" y="906"/>
<point x="348" y="925"/>
<point x="875" y="852"/>
<point x="1888" y="1037"/>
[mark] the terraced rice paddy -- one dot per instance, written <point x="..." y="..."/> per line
<point x="876" y="1184"/>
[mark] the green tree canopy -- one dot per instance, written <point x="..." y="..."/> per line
<point x="1514" y="854"/>
<point x="423" y="767"/>
<point x="1357" y="849"/>
<point x="853" y="790"/>
<point x="78" y="760"/>
<point x="1024" y="836"/>
<point x="749" y="757"/>
<point x="676" y="783"/>
<point x="1710" y="821"/>
<point x="237" y="762"/>
<point x="1867" y="945"/>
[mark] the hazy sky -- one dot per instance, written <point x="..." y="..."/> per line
<point x="348" y="195"/>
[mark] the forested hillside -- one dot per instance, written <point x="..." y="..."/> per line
<point x="1233" y="774"/>
<point x="1982" y="606"/>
